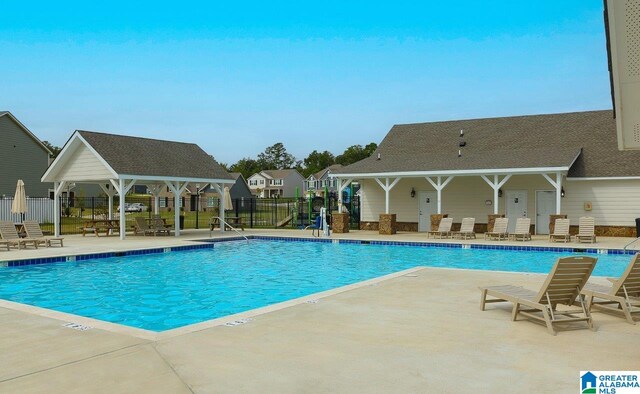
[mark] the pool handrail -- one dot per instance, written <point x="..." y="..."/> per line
<point x="223" y="223"/>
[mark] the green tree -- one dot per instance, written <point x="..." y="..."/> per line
<point x="246" y="166"/>
<point x="356" y="153"/>
<point x="276" y="157"/>
<point x="317" y="161"/>
<point x="54" y="149"/>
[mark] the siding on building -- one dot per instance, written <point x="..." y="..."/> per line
<point x="614" y="202"/>
<point x="84" y="166"/>
<point x="21" y="157"/>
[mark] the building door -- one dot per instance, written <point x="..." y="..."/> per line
<point x="545" y="206"/>
<point x="427" y="207"/>
<point x="193" y="204"/>
<point x="515" y="206"/>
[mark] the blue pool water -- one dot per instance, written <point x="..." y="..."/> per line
<point x="169" y="290"/>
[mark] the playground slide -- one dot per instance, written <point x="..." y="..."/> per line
<point x="285" y="221"/>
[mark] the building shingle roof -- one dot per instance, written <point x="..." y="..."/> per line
<point x="279" y="174"/>
<point x="151" y="157"/>
<point x="511" y="142"/>
<point x="331" y="168"/>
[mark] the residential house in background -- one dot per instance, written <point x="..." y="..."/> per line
<point x="276" y="183"/>
<point x="22" y="156"/>
<point x="535" y="166"/>
<point x="317" y="182"/>
<point x="208" y="196"/>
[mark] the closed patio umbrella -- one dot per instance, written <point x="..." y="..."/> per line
<point x="228" y="204"/>
<point x="19" y="204"/>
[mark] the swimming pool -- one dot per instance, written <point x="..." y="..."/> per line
<point x="163" y="291"/>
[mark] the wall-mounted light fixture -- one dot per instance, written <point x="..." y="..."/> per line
<point x="499" y="192"/>
<point x="413" y="192"/>
<point x="562" y="192"/>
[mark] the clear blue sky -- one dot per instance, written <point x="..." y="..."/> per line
<point x="236" y="77"/>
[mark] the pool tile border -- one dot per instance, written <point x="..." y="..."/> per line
<point x="210" y="243"/>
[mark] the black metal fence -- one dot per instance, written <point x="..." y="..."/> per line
<point x="196" y="211"/>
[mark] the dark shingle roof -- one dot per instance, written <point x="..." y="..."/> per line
<point x="151" y="157"/>
<point x="279" y="174"/>
<point x="331" y="168"/>
<point x="512" y="142"/>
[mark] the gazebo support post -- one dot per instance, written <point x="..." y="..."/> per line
<point x="110" y="193"/>
<point x="122" y="194"/>
<point x="177" y="189"/>
<point x="57" y="189"/>
<point x="387" y="188"/>
<point x="220" y="190"/>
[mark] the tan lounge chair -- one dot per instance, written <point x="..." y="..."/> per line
<point x="160" y="225"/>
<point x="8" y="233"/>
<point x="4" y="244"/>
<point x="623" y="295"/>
<point x="444" y="228"/>
<point x="142" y="227"/>
<point x="586" y="230"/>
<point x="34" y="231"/>
<point x="522" y="231"/>
<point x="562" y="287"/>
<point x="466" y="229"/>
<point x="499" y="230"/>
<point x="560" y="231"/>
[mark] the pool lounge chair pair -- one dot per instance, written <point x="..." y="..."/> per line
<point x="567" y="285"/>
<point x="35" y="237"/>
<point x="586" y="230"/>
<point x="157" y="226"/>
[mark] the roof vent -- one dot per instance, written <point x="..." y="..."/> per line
<point x="461" y="133"/>
<point x="378" y="156"/>
<point x="462" y="143"/>
<point x="459" y="153"/>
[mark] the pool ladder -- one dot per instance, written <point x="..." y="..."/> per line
<point x="631" y="243"/>
<point x="224" y="222"/>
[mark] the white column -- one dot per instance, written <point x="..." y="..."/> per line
<point x="439" y="185"/>
<point x="110" y="206"/>
<point x="122" y="193"/>
<point x="558" y="193"/>
<point x="178" y="204"/>
<point x="496" y="184"/>
<point x="387" y="188"/>
<point x="156" y="204"/>
<point x="222" y="208"/>
<point x="557" y="184"/>
<point x="496" y="195"/>
<point x="341" y="186"/>
<point x="56" y="209"/>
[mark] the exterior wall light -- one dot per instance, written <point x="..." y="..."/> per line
<point x="413" y="192"/>
<point x="562" y="192"/>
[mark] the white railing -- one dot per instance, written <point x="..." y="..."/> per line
<point x="39" y="209"/>
<point x="222" y="223"/>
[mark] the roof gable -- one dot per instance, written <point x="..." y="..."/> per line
<point x="26" y="130"/>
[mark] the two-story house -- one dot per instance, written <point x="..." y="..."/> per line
<point x="317" y="182"/>
<point x="276" y="183"/>
<point x="22" y="156"/>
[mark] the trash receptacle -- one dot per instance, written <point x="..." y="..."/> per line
<point x="181" y="222"/>
<point x="637" y="227"/>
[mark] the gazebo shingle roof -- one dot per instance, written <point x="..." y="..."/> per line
<point x="499" y="143"/>
<point x="151" y="157"/>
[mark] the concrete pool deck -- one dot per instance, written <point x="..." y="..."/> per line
<point x="396" y="335"/>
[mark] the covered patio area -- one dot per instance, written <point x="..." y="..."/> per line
<point x="116" y="163"/>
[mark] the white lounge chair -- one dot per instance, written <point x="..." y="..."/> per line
<point x="586" y="230"/>
<point x="623" y="295"/>
<point x="560" y="231"/>
<point x="466" y="229"/>
<point x="33" y="230"/>
<point x="562" y="287"/>
<point x="522" y="231"/>
<point x="444" y="228"/>
<point x="499" y="230"/>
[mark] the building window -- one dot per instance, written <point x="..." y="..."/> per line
<point x="262" y="181"/>
<point x="163" y="202"/>
<point x="211" y="201"/>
